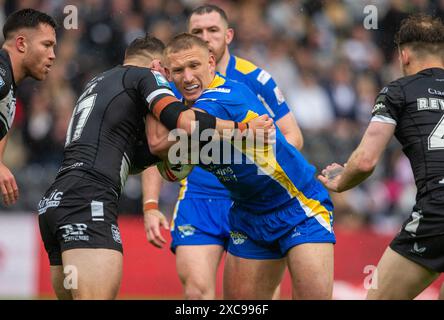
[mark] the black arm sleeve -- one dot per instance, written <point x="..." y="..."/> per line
<point x="389" y="101"/>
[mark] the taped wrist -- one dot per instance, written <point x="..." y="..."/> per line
<point x="169" y="116"/>
<point x="150" y="204"/>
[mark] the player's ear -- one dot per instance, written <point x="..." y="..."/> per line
<point x="165" y="67"/>
<point x="212" y="62"/>
<point x="168" y="74"/>
<point x="20" y="43"/>
<point x="156" y="64"/>
<point x="229" y="35"/>
<point x="404" y="56"/>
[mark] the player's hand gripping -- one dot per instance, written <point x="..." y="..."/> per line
<point x="153" y="219"/>
<point x="263" y="129"/>
<point x="8" y="186"/>
<point x="331" y="175"/>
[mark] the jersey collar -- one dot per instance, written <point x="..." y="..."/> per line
<point x="218" y="80"/>
<point x="231" y="64"/>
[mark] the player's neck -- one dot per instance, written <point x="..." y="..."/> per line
<point x="416" y="67"/>
<point x="222" y="65"/>
<point x="136" y="63"/>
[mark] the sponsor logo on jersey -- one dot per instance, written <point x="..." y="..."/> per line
<point x="377" y="107"/>
<point x="160" y="79"/>
<point x="279" y="96"/>
<point x="435" y="92"/>
<point x="74" y="232"/>
<point x="2" y="82"/>
<point x="237" y="237"/>
<point x="441" y="181"/>
<point x="221" y="90"/>
<point x="186" y="230"/>
<point x="116" y="233"/>
<point x="52" y="201"/>
<point x="73" y="166"/>
<point x="263" y="77"/>
<point x="2" y="71"/>
<point x="384" y="90"/>
<point x="430" y="104"/>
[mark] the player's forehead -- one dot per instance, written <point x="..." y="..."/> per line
<point x="43" y="32"/>
<point x="184" y="57"/>
<point x="206" y="20"/>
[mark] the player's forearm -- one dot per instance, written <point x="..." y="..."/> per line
<point x="363" y="160"/>
<point x="188" y="119"/>
<point x="358" y="169"/>
<point x="291" y="131"/>
<point x="157" y="136"/>
<point x="3" y="143"/>
<point x="175" y="115"/>
<point x="151" y="184"/>
<point x="295" y="139"/>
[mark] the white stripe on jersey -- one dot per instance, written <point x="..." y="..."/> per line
<point x="380" y="118"/>
<point x="270" y="111"/>
<point x="157" y="92"/>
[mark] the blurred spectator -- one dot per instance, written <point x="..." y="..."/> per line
<point x="341" y="91"/>
<point x="310" y="104"/>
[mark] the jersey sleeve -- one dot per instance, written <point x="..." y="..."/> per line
<point x="210" y="104"/>
<point x="269" y="93"/>
<point x="153" y="87"/>
<point x="388" y="104"/>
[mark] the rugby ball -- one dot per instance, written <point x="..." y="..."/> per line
<point x="174" y="172"/>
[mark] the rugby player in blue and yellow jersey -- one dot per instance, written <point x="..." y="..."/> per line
<point x="281" y="215"/>
<point x="200" y="229"/>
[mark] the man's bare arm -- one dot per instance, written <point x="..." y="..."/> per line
<point x="363" y="160"/>
<point x="291" y="131"/>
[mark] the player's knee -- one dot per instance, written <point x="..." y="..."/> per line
<point x="313" y="290"/>
<point x="93" y="296"/>
<point x="94" y="293"/>
<point x="198" y="291"/>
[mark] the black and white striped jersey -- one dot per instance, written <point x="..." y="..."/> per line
<point x="7" y="94"/>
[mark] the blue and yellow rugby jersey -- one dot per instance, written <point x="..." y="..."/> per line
<point x="200" y="183"/>
<point x="285" y="176"/>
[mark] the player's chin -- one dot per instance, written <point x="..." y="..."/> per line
<point x="191" y="96"/>
<point x="40" y="76"/>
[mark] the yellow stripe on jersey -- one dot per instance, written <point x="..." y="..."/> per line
<point x="217" y="82"/>
<point x="250" y="116"/>
<point x="263" y="157"/>
<point x="183" y="189"/>
<point x="244" y="66"/>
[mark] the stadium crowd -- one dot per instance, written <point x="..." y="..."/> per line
<point x="328" y="65"/>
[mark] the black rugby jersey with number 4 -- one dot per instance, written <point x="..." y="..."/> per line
<point x="7" y="94"/>
<point x="108" y="124"/>
<point x="415" y="104"/>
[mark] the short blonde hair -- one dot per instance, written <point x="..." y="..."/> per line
<point x="184" y="41"/>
